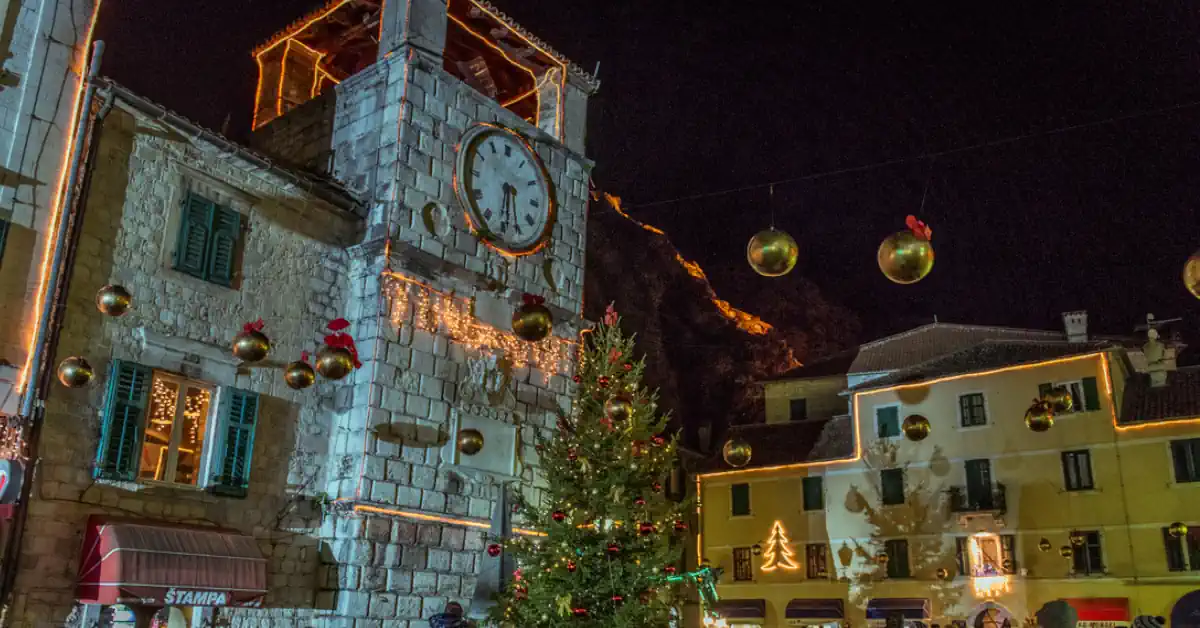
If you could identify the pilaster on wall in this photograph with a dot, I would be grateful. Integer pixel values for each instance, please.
(420, 24)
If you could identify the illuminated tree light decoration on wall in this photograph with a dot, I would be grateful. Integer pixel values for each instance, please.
(988, 581)
(413, 302)
(778, 555)
(12, 438)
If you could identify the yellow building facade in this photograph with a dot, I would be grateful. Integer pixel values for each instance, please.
(972, 523)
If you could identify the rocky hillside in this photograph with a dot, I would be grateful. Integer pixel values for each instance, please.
(702, 353)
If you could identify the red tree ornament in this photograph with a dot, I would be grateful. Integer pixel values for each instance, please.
(558, 516)
(493, 550)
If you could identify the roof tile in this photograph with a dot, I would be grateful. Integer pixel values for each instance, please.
(1178, 400)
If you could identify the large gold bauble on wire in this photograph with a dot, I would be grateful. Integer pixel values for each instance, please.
(113, 300)
(251, 346)
(532, 322)
(1066, 551)
(1044, 545)
(1191, 274)
(618, 408)
(1059, 400)
(736, 452)
(916, 427)
(334, 362)
(470, 441)
(1177, 530)
(943, 573)
(299, 375)
(905, 257)
(75, 372)
(1077, 539)
(1039, 417)
(772, 253)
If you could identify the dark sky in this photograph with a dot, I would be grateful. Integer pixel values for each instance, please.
(708, 95)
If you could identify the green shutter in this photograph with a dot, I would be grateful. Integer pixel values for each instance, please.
(118, 455)
(893, 486)
(3, 238)
(1091, 394)
(739, 495)
(227, 228)
(1044, 389)
(1008, 553)
(813, 493)
(239, 415)
(889, 421)
(960, 555)
(195, 227)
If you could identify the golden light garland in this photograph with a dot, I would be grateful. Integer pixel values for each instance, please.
(12, 438)
(163, 400)
(416, 303)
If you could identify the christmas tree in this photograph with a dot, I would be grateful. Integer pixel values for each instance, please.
(778, 554)
(612, 536)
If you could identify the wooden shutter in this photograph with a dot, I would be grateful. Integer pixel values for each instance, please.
(227, 230)
(1008, 553)
(1091, 394)
(195, 227)
(740, 499)
(893, 486)
(813, 493)
(128, 395)
(960, 554)
(239, 415)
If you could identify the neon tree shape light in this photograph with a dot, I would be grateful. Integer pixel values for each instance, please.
(778, 555)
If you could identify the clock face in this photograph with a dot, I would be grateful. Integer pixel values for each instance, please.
(505, 189)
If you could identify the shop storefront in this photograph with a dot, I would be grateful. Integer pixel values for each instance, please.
(815, 613)
(147, 566)
(898, 611)
(742, 613)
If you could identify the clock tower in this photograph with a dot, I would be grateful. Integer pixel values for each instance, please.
(464, 135)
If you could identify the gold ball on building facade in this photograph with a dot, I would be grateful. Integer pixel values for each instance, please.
(1177, 530)
(943, 573)
(618, 408)
(905, 257)
(251, 346)
(299, 375)
(470, 441)
(772, 253)
(1039, 417)
(532, 322)
(113, 300)
(1191, 274)
(1044, 545)
(1060, 400)
(1066, 551)
(1077, 539)
(334, 362)
(75, 372)
(916, 427)
(736, 452)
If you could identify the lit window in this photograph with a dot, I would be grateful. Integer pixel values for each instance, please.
(173, 444)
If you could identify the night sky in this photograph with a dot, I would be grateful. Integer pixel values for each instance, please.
(704, 96)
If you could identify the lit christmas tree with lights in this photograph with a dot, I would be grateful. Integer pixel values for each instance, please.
(612, 536)
(778, 555)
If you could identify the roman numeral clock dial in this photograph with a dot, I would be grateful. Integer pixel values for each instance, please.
(505, 189)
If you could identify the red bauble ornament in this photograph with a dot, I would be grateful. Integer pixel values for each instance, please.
(571, 455)
(657, 487)
(641, 501)
(493, 550)
(669, 569)
(628, 366)
(618, 600)
(659, 441)
(613, 548)
(603, 381)
(571, 566)
(580, 612)
(559, 516)
(680, 526)
(576, 379)
(646, 528)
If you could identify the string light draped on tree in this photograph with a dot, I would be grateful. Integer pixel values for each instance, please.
(611, 539)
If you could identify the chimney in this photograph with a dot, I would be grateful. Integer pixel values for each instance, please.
(1075, 324)
(1160, 356)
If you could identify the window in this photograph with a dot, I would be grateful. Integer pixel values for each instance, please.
(1183, 554)
(1077, 470)
(887, 421)
(739, 497)
(814, 492)
(1088, 558)
(742, 568)
(814, 556)
(892, 484)
(209, 235)
(970, 410)
(986, 555)
(156, 429)
(1085, 394)
(1186, 456)
(897, 564)
(799, 409)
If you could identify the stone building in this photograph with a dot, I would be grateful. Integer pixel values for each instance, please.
(426, 174)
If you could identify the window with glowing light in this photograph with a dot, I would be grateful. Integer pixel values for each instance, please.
(173, 444)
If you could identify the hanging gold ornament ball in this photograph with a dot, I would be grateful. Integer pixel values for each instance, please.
(1177, 530)
(905, 257)
(532, 322)
(75, 372)
(943, 573)
(251, 346)
(113, 300)
(618, 408)
(1059, 400)
(1039, 417)
(772, 253)
(1066, 551)
(299, 375)
(736, 452)
(1077, 539)
(916, 427)
(334, 362)
(882, 558)
(470, 441)
(1044, 545)
(1191, 274)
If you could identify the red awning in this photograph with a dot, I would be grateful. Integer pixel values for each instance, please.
(1101, 608)
(127, 561)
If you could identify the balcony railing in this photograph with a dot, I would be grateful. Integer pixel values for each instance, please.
(991, 499)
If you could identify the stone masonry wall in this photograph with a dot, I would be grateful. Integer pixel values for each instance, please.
(301, 137)
(292, 276)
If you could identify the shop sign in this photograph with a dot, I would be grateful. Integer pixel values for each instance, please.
(185, 597)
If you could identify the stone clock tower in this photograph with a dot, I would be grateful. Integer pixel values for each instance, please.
(464, 135)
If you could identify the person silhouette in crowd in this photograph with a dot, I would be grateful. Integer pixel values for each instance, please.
(451, 617)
